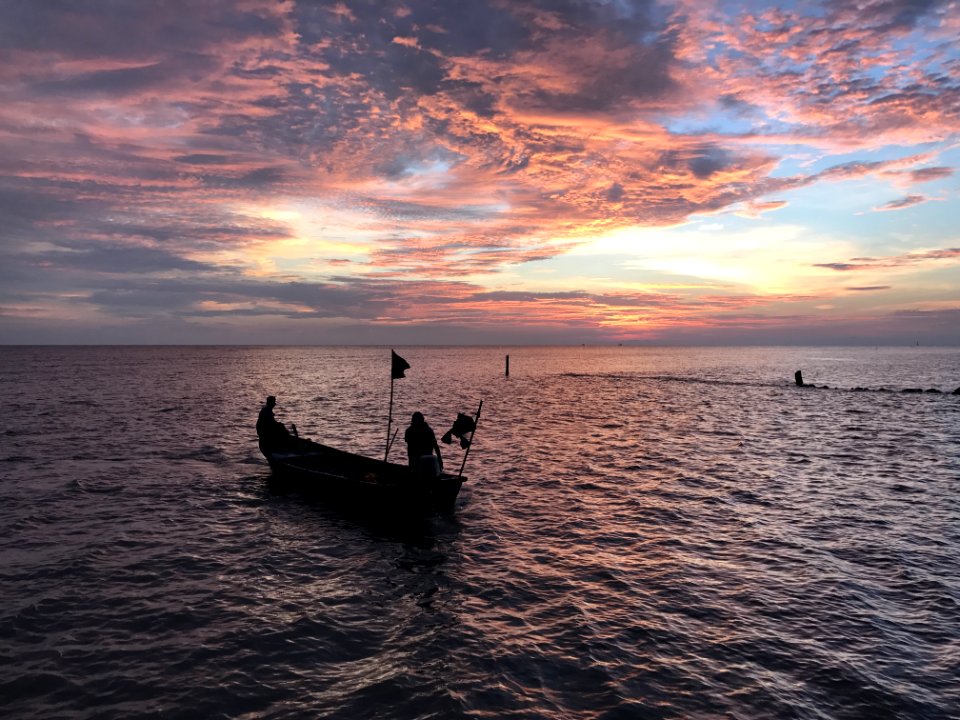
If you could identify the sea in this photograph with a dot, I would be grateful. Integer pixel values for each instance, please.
(645, 532)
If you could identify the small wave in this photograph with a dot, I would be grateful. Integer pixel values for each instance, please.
(206, 453)
(749, 497)
(903, 488)
(96, 485)
(16, 459)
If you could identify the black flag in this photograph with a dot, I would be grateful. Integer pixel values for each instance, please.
(397, 366)
(462, 425)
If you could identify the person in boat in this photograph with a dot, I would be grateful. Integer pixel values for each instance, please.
(272, 432)
(421, 446)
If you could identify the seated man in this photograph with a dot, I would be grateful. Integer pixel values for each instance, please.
(421, 446)
(272, 433)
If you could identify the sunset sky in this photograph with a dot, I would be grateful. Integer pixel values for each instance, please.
(562, 171)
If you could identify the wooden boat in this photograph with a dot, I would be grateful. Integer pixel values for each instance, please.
(369, 484)
(375, 485)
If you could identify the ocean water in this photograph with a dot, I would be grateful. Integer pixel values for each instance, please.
(645, 533)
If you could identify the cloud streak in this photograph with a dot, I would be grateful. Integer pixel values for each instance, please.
(948, 255)
(902, 203)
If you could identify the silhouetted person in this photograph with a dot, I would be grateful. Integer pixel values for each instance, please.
(272, 433)
(266, 420)
(421, 446)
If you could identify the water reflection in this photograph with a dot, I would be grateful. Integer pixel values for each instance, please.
(374, 596)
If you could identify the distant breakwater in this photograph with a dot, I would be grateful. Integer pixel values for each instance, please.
(798, 380)
(744, 383)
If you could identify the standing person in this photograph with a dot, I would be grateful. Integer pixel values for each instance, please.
(422, 444)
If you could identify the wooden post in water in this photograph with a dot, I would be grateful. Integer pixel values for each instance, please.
(507, 373)
(798, 377)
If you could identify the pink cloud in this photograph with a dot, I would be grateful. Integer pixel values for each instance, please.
(920, 175)
(754, 209)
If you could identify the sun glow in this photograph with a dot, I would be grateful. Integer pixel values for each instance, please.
(769, 259)
(311, 241)
(285, 216)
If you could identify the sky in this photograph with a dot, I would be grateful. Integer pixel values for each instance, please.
(492, 172)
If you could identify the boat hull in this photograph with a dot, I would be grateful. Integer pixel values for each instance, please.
(335, 475)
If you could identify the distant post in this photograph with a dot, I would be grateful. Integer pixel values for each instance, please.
(507, 371)
(798, 377)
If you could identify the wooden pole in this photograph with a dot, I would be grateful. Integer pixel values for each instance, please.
(392, 439)
(508, 366)
(470, 445)
(389, 419)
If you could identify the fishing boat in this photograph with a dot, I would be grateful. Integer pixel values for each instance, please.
(378, 485)
(370, 484)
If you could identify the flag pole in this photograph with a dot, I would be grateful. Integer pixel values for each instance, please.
(386, 452)
(397, 367)
(470, 445)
